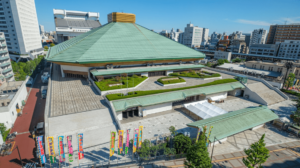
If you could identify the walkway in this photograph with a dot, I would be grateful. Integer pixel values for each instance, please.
(33, 113)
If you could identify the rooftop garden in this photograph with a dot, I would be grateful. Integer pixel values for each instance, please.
(119, 82)
(118, 96)
(195, 74)
(170, 80)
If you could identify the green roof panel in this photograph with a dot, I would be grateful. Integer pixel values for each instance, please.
(119, 42)
(237, 121)
(143, 69)
(123, 104)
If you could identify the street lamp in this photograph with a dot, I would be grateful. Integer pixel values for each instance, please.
(214, 147)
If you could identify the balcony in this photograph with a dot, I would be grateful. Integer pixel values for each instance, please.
(2, 39)
(3, 51)
(9, 76)
(5, 64)
(2, 45)
(4, 58)
(6, 70)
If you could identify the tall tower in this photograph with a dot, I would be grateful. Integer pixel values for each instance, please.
(21, 28)
(259, 36)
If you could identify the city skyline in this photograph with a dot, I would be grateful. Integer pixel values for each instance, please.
(164, 15)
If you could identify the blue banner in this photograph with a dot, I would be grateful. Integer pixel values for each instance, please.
(41, 148)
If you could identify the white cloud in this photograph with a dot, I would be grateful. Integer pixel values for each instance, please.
(253, 22)
(289, 20)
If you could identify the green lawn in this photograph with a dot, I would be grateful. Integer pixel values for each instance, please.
(117, 96)
(131, 82)
(193, 74)
(166, 82)
(4, 135)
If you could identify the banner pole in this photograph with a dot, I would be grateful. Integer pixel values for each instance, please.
(67, 150)
(109, 150)
(39, 152)
(77, 149)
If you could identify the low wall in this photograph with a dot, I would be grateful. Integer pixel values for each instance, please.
(202, 78)
(170, 84)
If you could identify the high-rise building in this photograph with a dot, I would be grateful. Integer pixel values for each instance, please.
(69, 24)
(20, 26)
(258, 36)
(205, 35)
(280, 33)
(192, 36)
(290, 49)
(175, 35)
(6, 71)
(42, 29)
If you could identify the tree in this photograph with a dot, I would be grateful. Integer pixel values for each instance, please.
(296, 116)
(197, 155)
(257, 154)
(182, 143)
(288, 65)
(220, 61)
(46, 47)
(290, 81)
(2, 128)
(172, 130)
(52, 45)
(144, 151)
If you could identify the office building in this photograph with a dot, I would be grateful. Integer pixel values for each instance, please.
(258, 36)
(222, 55)
(20, 25)
(280, 33)
(264, 49)
(205, 35)
(247, 38)
(290, 49)
(223, 44)
(7, 73)
(238, 46)
(69, 24)
(192, 36)
(175, 35)
(42, 29)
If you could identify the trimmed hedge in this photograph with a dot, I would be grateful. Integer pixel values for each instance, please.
(166, 82)
(118, 96)
(291, 92)
(131, 82)
(195, 75)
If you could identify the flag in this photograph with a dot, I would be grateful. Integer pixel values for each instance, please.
(80, 148)
(112, 143)
(41, 148)
(70, 147)
(127, 142)
(135, 139)
(51, 149)
(61, 148)
(199, 130)
(120, 142)
(140, 136)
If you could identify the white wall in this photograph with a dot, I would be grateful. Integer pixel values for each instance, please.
(144, 74)
(8, 114)
(157, 108)
(120, 116)
(217, 96)
(74, 68)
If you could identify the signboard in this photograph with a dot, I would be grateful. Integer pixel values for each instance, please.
(112, 143)
(80, 144)
(41, 149)
(120, 142)
(127, 142)
(61, 148)
(70, 147)
(51, 149)
(135, 139)
(140, 136)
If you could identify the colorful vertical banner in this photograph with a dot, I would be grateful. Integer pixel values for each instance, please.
(112, 143)
(80, 148)
(51, 149)
(120, 142)
(70, 147)
(127, 142)
(208, 135)
(199, 130)
(140, 136)
(135, 139)
(61, 148)
(41, 149)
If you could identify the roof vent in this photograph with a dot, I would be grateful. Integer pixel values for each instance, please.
(121, 17)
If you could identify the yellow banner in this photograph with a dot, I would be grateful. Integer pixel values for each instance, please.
(51, 149)
(140, 136)
(120, 144)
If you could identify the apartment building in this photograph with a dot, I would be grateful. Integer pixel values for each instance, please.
(20, 25)
(5, 64)
(205, 35)
(280, 33)
(258, 36)
(192, 36)
(290, 49)
(222, 55)
(69, 24)
(176, 35)
(223, 44)
(42, 29)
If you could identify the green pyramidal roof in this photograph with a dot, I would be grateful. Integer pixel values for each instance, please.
(119, 42)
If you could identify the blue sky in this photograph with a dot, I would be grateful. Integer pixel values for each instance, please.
(220, 16)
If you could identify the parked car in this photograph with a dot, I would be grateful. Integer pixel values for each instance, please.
(30, 81)
(45, 77)
(44, 92)
(39, 129)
